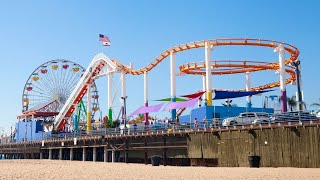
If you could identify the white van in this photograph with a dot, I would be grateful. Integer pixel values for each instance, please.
(247, 118)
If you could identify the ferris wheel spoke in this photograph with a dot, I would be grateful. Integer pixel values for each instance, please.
(67, 73)
(59, 81)
(45, 86)
(48, 82)
(36, 95)
(42, 90)
(37, 92)
(61, 77)
(53, 79)
(73, 78)
(68, 88)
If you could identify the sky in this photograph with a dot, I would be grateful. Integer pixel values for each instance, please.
(34, 32)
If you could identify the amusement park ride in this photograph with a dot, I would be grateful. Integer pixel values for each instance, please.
(60, 91)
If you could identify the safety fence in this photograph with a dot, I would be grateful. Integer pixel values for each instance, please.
(269, 121)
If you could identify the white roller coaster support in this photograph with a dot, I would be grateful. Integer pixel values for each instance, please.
(173, 83)
(98, 61)
(208, 73)
(146, 119)
(123, 82)
(89, 109)
(110, 96)
(248, 86)
(204, 88)
(280, 50)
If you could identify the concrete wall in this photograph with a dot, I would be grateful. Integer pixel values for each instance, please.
(282, 147)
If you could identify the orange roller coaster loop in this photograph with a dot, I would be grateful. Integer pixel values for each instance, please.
(293, 51)
(222, 67)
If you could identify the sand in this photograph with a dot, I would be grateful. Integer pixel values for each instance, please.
(55, 169)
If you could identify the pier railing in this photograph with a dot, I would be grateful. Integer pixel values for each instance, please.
(216, 124)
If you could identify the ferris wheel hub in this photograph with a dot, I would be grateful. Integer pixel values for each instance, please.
(61, 98)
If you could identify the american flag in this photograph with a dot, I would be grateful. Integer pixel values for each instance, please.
(104, 39)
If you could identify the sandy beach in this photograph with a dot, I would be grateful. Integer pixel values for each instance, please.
(46, 169)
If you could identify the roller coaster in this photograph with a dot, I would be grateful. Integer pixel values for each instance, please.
(101, 65)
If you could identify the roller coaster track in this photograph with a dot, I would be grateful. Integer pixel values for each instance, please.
(223, 67)
(101, 61)
(293, 51)
(81, 88)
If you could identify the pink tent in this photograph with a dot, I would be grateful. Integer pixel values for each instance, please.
(179, 105)
(149, 109)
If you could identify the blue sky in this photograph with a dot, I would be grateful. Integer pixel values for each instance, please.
(33, 32)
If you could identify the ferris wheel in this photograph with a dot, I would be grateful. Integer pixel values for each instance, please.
(52, 83)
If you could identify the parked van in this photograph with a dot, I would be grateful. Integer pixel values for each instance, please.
(247, 118)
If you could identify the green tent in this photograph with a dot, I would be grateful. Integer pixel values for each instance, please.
(169, 99)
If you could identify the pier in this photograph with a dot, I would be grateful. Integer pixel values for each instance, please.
(278, 145)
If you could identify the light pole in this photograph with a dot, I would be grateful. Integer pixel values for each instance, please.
(296, 65)
(11, 135)
(124, 112)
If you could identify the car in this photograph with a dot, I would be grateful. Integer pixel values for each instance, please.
(247, 118)
(293, 116)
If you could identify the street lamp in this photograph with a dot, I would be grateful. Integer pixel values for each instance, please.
(11, 135)
(124, 112)
(296, 65)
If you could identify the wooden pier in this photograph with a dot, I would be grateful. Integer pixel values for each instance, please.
(286, 145)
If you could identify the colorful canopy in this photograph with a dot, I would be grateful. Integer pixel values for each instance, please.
(235, 94)
(178, 105)
(144, 109)
(194, 95)
(169, 99)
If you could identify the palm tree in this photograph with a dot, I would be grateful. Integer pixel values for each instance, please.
(229, 103)
(316, 104)
(292, 102)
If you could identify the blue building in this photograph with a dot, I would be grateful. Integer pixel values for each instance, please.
(219, 112)
(30, 131)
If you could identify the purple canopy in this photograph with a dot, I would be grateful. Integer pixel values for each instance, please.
(179, 105)
(144, 109)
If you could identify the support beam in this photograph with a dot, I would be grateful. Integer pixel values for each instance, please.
(248, 86)
(208, 73)
(94, 154)
(204, 88)
(41, 155)
(71, 154)
(299, 95)
(123, 95)
(76, 119)
(113, 156)
(173, 84)
(110, 97)
(89, 109)
(146, 119)
(124, 98)
(60, 153)
(50, 154)
(84, 154)
(164, 152)
(283, 91)
(126, 153)
(145, 154)
(105, 154)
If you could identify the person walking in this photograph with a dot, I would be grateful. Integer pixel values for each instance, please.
(196, 122)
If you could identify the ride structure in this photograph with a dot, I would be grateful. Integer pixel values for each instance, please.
(46, 91)
(101, 65)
